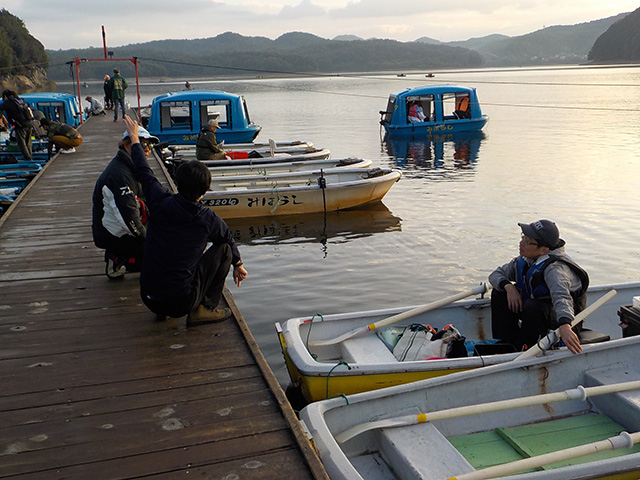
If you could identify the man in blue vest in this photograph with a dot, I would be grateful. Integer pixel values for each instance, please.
(540, 290)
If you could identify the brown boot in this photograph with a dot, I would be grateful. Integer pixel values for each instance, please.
(204, 314)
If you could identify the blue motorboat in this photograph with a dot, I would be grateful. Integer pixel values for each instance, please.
(58, 107)
(178, 117)
(433, 110)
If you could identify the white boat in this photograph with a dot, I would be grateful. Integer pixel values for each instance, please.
(533, 418)
(314, 191)
(283, 167)
(254, 152)
(367, 361)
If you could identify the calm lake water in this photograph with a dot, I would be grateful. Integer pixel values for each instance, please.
(562, 144)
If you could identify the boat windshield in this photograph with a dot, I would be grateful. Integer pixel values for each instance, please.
(215, 110)
(420, 107)
(456, 106)
(175, 116)
(385, 116)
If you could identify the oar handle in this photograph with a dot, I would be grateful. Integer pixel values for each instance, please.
(579, 393)
(480, 289)
(554, 335)
(624, 440)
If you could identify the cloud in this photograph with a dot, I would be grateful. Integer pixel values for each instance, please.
(304, 9)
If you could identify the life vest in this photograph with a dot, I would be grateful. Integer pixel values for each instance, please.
(462, 104)
(532, 285)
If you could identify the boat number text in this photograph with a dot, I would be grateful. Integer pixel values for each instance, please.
(221, 202)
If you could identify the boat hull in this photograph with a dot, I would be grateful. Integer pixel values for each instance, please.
(284, 167)
(445, 448)
(281, 195)
(317, 372)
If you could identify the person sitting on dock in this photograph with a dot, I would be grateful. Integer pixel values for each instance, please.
(95, 107)
(119, 211)
(180, 276)
(64, 137)
(540, 290)
(207, 146)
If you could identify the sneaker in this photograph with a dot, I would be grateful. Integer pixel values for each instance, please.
(115, 268)
(204, 314)
(69, 150)
(115, 120)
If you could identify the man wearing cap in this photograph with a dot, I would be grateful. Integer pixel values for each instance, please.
(540, 290)
(207, 146)
(119, 211)
(118, 85)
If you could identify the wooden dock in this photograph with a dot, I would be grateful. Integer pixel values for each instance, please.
(93, 387)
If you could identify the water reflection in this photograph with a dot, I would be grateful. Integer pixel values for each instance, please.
(441, 155)
(340, 227)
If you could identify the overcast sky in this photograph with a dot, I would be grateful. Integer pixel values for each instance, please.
(77, 23)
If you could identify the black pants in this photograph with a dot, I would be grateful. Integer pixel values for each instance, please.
(206, 289)
(537, 318)
(128, 249)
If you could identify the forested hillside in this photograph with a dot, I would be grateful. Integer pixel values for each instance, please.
(559, 44)
(620, 43)
(23, 59)
(233, 54)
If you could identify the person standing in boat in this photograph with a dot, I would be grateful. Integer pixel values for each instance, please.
(180, 275)
(207, 146)
(118, 85)
(119, 211)
(540, 290)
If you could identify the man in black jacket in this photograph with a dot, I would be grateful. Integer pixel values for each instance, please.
(23, 126)
(119, 211)
(180, 275)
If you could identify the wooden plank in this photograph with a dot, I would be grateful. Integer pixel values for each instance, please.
(93, 386)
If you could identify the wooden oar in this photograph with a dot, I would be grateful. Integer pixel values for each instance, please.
(400, 317)
(578, 393)
(624, 440)
(553, 336)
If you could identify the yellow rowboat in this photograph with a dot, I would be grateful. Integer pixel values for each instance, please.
(366, 362)
(315, 191)
(559, 416)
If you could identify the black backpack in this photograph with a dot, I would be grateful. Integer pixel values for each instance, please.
(25, 115)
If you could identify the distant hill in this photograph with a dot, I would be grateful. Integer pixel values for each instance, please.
(298, 52)
(347, 38)
(294, 52)
(430, 40)
(560, 44)
(620, 43)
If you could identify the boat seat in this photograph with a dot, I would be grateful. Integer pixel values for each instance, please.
(591, 336)
(366, 349)
(404, 450)
(622, 407)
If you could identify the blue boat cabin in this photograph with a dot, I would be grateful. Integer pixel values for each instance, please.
(178, 117)
(58, 107)
(433, 109)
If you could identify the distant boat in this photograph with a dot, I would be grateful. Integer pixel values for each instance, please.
(429, 75)
(445, 109)
(401, 75)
